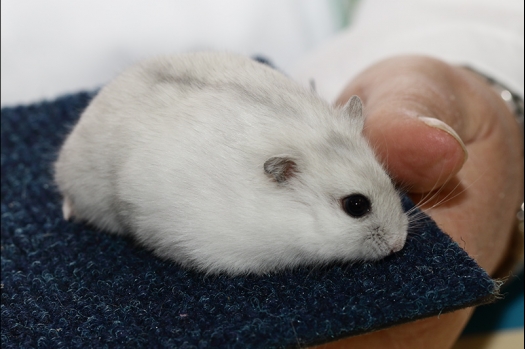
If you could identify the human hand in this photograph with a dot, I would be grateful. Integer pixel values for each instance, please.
(472, 198)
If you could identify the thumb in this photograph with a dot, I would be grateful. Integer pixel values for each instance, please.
(420, 152)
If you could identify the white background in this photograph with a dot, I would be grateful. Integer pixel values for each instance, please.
(54, 47)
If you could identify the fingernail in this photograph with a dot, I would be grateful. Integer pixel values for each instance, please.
(436, 123)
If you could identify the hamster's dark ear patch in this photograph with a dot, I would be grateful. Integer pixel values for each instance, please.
(354, 109)
(280, 168)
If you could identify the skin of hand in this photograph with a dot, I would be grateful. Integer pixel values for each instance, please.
(446, 137)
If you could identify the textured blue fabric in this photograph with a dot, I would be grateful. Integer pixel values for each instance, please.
(507, 314)
(65, 285)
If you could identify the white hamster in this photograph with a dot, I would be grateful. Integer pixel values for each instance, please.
(223, 164)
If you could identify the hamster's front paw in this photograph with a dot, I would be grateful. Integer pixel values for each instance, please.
(67, 209)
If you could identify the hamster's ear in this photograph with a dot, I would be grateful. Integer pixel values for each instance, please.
(280, 168)
(354, 109)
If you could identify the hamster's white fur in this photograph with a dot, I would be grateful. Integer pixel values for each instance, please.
(224, 164)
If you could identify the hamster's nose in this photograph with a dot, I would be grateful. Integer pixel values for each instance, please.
(397, 246)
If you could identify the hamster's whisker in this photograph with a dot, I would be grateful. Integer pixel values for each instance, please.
(431, 194)
(447, 199)
(426, 197)
(444, 200)
(417, 218)
(404, 187)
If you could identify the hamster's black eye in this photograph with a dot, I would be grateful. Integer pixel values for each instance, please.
(356, 205)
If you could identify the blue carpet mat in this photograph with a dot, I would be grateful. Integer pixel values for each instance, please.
(65, 285)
